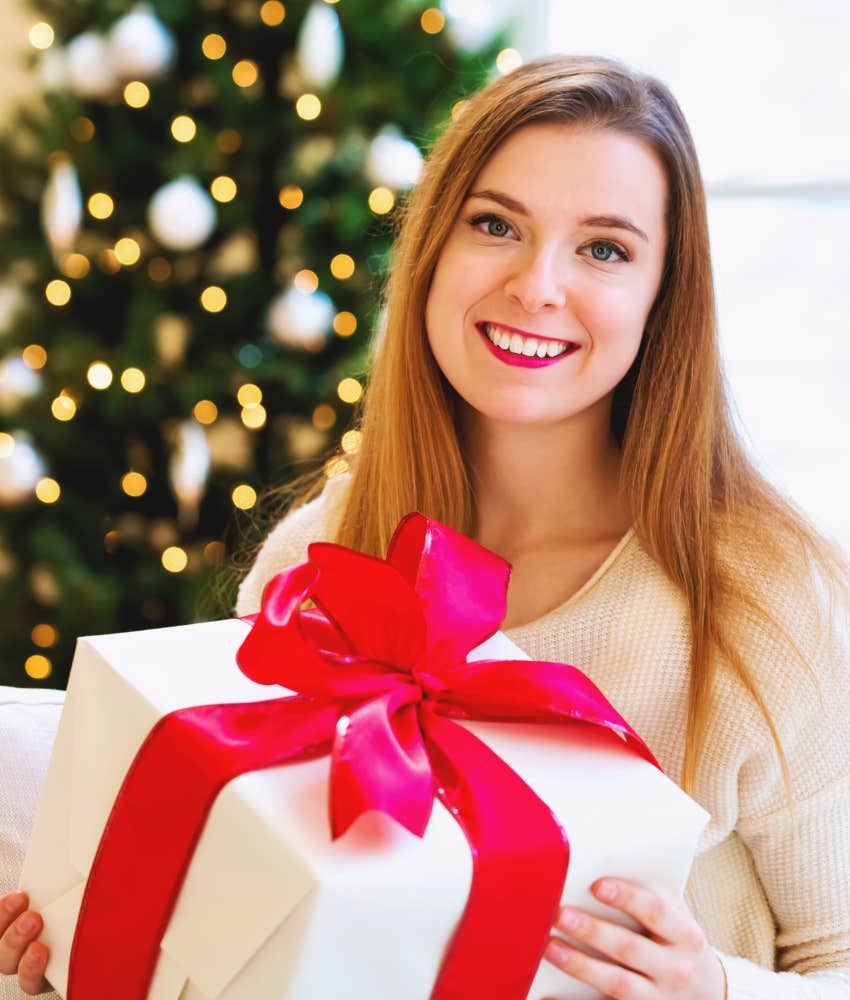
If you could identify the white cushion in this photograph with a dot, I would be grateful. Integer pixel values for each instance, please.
(28, 721)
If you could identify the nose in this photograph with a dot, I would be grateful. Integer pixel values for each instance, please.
(537, 281)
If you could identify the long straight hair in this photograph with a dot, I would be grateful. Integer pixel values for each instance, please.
(699, 506)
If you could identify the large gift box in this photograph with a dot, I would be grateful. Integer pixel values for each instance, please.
(400, 818)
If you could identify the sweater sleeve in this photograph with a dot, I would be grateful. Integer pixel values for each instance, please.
(287, 542)
(802, 859)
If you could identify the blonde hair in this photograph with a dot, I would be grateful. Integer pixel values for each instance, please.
(688, 481)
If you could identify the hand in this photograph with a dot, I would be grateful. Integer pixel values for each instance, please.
(19, 950)
(671, 960)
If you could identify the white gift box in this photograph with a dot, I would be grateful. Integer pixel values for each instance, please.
(272, 908)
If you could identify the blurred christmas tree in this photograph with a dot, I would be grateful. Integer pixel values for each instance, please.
(194, 232)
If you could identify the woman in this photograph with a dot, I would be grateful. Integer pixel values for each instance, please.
(548, 383)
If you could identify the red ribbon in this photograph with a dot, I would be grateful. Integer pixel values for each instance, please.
(380, 667)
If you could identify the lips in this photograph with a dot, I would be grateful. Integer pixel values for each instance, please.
(482, 326)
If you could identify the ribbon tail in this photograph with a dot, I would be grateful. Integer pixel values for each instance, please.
(520, 856)
(157, 820)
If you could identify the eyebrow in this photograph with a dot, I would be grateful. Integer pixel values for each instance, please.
(606, 221)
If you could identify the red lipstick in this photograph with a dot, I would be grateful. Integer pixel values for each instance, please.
(521, 360)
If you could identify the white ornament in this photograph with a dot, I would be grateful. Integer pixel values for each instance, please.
(90, 70)
(320, 46)
(53, 69)
(140, 46)
(20, 470)
(189, 467)
(469, 23)
(392, 160)
(181, 214)
(18, 382)
(62, 208)
(301, 319)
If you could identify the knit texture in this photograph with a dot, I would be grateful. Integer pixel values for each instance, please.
(769, 891)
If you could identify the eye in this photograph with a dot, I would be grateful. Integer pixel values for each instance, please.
(492, 220)
(608, 245)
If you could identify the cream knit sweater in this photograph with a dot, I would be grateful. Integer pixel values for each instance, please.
(771, 894)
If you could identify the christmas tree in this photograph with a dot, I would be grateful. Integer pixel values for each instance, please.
(195, 232)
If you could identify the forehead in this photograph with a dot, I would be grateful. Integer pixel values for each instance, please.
(565, 171)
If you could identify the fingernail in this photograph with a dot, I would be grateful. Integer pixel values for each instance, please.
(27, 924)
(607, 890)
(569, 919)
(557, 952)
(13, 901)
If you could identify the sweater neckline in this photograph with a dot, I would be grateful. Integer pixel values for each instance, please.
(601, 570)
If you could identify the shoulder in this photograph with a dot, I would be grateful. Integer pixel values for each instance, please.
(288, 540)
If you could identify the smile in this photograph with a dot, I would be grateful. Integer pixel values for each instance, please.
(526, 351)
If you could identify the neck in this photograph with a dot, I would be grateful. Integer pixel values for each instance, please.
(544, 485)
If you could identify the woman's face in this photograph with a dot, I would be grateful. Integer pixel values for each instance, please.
(526, 263)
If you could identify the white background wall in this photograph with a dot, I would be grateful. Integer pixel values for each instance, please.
(765, 87)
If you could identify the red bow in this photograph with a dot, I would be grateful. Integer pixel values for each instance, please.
(380, 669)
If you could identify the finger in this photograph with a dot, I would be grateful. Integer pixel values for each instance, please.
(659, 915)
(611, 980)
(627, 948)
(14, 942)
(12, 905)
(31, 970)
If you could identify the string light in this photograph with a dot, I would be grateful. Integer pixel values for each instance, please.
(432, 20)
(7, 444)
(82, 129)
(75, 265)
(245, 73)
(183, 128)
(35, 356)
(99, 375)
(213, 298)
(349, 390)
(44, 636)
(223, 188)
(381, 200)
(244, 496)
(508, 60)
(132, 380)
(351, 442)
(136, 94)
(308, 107)
(110, 541)
(324, 417)
(127, 250)
(47, 490)
(174, 559)
(249, 395)
(38, 667)
(205, 411)
(342, 266)
(108, 262)
(306, 280)
(159, 269)
(291, 196)
(58, 292)
(63, 407)
(41, 35)
(213, 46)
(228, 140)
(133, 484)
(272, 13)
(253, 417)
(345, 323)
(101, 205)
(335, 466)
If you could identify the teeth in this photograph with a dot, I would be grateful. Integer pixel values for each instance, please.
(529, 347)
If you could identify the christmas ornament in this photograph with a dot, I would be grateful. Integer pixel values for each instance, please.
(18, 382)
(20, 470)
(320, 47)
(181, 214)
(53, 69)
(237, 255)
(89, 66)
(61, 207)
(188, 470)
(301, 319)
(140, 46)
(469, 23)
(392, 160)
